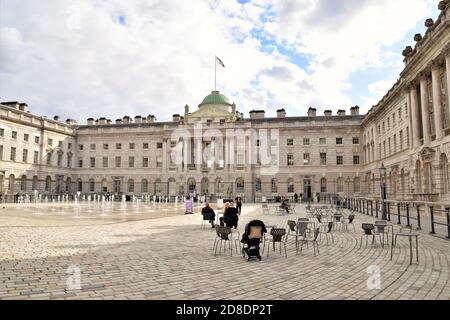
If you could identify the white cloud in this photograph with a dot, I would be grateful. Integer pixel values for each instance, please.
(162, 57)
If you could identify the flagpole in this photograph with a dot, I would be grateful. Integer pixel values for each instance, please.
(215, 74)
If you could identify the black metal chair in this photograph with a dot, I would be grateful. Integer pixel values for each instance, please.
(312, 240)
(278, 235)
(327, 232)
(368, 229)
(224, 234)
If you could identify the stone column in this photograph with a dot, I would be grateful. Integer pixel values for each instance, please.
(415, 116)
(425, 112)
(447, 64)
(437, 104)
(199, 155)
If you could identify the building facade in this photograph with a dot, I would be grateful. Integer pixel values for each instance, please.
(216, 151)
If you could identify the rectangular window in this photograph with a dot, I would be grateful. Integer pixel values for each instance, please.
(92, 162)
(384, 148)
(60, 144)
(290, 142)
(145, 162)
(389, 146)
(131, 162)
(36, 139)
(393, 119)
(145, 145)
(356, 159)
(80, 147)
(49, 159)
(118, 162)
(2, 132)
(26, 137)
(290, 160)
(93, 146)
(323, 159)
(1, 152)
(173, 144)
(13, 154)
(131, 145)
(159, 145)
(36, 157)
(395, 143)
(59, 160)
(25, 155)
(69, 161)
(339, 141)
(69, 145)
(50, 142)
(323, 141)
(14, 134)
(159, 161)
(306, 159)
(339, 159)
(105, 146)
(80, 163)
(355, 140)
(118, 146)
(401, 140)
(306, 141)
(105, 162)
(258, 143)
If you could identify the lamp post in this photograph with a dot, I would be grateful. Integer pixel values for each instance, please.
(348, 188)
(383, 191)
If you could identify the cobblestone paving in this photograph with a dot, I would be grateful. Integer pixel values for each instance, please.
(171, 257)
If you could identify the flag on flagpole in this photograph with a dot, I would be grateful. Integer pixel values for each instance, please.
(220, 62)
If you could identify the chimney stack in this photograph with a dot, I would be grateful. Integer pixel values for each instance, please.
(312, 112)
(90, 121)
(281, 113)
(257, 114)
(354, 111)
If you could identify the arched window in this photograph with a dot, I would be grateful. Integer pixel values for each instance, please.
(274, 186)
(219, 186)
(104, 185)
(79, 185)
(191, 185)
(240, 185)
(144, 185)
(357, 185)
(258, 185)
(130, 185)
(444, 174)
(323, 185)
(158, 186)
(340, 185)
(91, 185)
(23, 183)
(290, 185)
(205, 186)
(48, 184)
(12, 180)
(34, 184)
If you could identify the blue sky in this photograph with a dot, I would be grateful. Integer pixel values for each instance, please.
(97, 58)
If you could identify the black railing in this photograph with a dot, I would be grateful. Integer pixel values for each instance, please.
(428, 216)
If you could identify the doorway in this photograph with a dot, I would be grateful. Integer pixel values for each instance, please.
(307, 189)
(116, 186)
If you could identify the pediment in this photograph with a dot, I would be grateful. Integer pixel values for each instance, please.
(210, 112)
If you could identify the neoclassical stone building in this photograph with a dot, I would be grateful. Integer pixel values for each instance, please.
(215, 150)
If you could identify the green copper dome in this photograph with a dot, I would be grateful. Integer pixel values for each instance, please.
(215, 98)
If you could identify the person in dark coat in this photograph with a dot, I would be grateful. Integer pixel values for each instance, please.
(239, 204)
(231, 217)
(209, 214)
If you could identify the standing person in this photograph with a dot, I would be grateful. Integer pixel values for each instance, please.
(189, 206)
(296, 198)
(209, 214)
(239, 204)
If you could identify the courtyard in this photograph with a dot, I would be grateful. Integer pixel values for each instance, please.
(155, 251)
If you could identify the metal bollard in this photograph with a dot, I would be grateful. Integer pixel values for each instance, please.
(398, 213)
(432, 220)
(376, 209)
(447, 211)
(419, 225)
(389, 211)
(407, 215)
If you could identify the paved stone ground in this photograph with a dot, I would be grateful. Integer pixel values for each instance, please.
(158, 254)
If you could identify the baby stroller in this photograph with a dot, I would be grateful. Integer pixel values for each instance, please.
(252, 238)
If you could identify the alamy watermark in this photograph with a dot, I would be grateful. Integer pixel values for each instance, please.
(238, 147)
(374, 280)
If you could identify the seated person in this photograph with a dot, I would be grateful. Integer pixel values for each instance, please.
(285, 205)
(230, 217)
(209, 214)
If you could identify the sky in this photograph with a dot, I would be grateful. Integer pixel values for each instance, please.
(111, 58)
